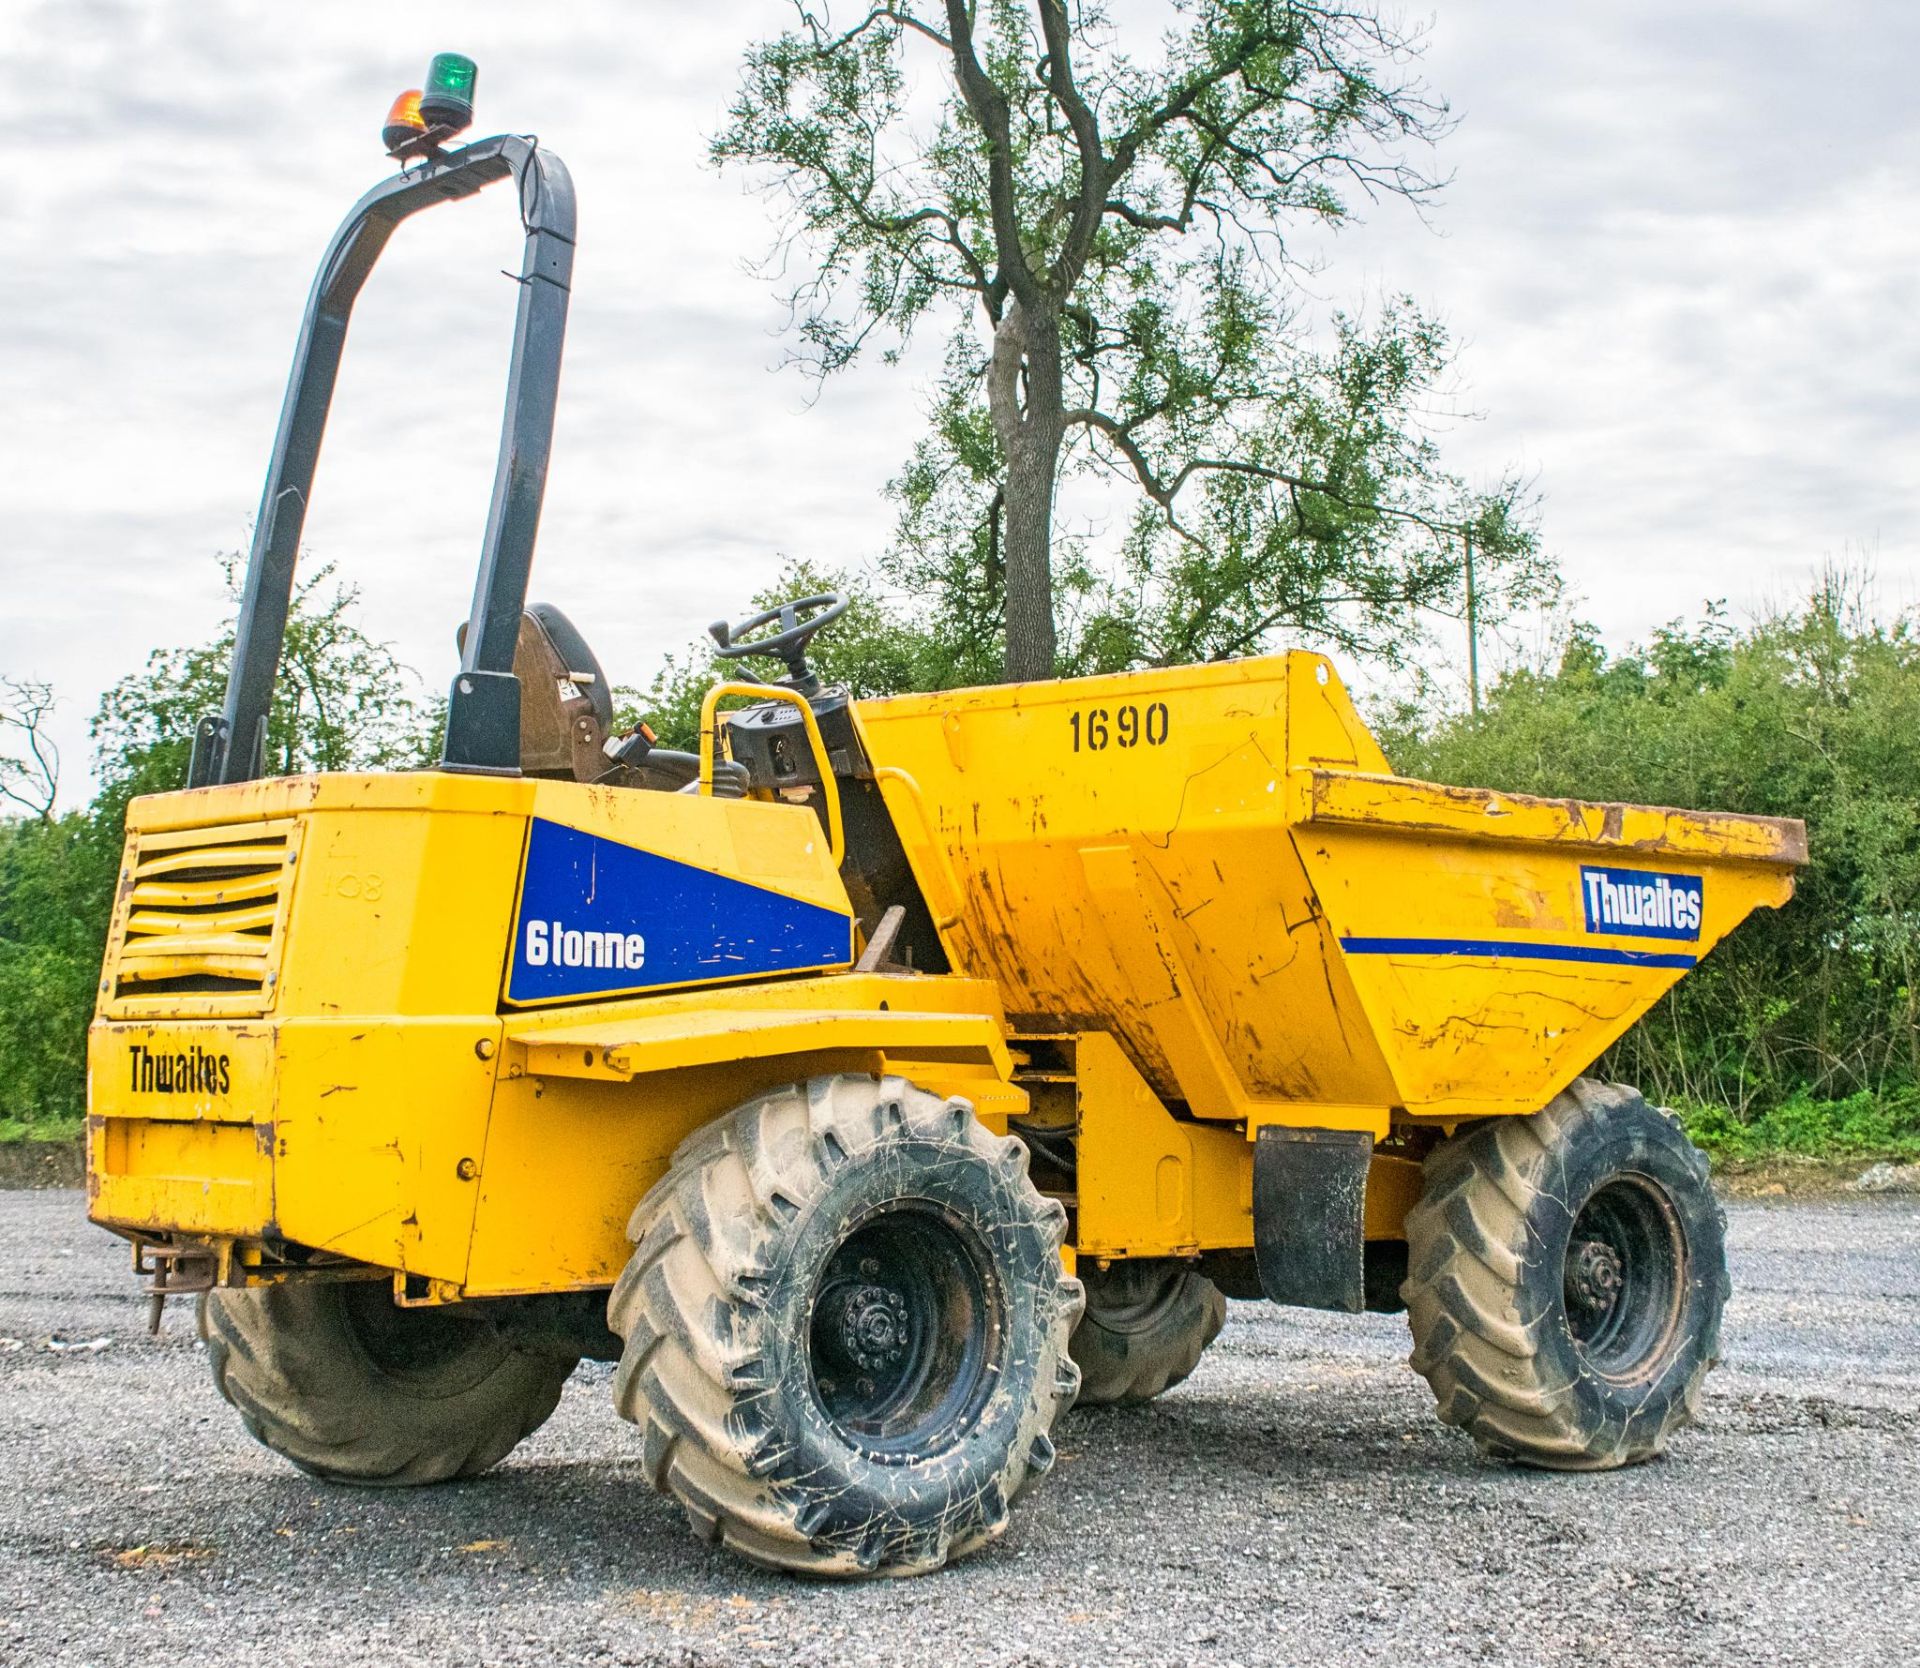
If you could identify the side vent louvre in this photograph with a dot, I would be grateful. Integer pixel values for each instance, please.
(201, 914)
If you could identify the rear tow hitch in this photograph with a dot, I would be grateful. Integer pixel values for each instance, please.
(173, 1271)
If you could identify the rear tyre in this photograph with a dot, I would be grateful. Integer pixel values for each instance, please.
(353, 1389)
(1146, 1325)
(1568, 1272)
(845, 1325)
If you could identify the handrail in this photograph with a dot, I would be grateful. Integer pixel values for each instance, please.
(936, 854)
(710, 739)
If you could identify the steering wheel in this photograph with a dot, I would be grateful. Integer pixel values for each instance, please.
(797, 624)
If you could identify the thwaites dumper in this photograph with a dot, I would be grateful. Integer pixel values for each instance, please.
(893, 1072)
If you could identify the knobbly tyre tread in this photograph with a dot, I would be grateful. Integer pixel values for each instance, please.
(1484, 1315)
(1123, 1364)
(286, 1359)
(693, 1308)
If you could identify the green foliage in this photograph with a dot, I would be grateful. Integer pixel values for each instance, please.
(1810, 713)
(869, 649)
(1357, 565)
(1336, 524)
(56, 892)
(1864, 1125)
(343, 702)
(52, 1131)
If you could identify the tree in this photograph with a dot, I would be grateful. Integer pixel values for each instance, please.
(1119, 233)
(342, 701)
(30, 777)
(56, 882)
(869, 649)
(56, 893)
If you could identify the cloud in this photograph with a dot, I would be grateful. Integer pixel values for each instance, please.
(1678, 252)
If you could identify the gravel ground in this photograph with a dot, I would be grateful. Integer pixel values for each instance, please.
(1294, 1501)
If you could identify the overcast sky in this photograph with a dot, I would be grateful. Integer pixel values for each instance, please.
(1678, 253)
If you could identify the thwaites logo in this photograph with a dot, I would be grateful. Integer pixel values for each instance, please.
(1638, 903)
(192, 1072)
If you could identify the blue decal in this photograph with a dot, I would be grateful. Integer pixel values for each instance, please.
(1514, 950)
(598, 917)
(1637, 903)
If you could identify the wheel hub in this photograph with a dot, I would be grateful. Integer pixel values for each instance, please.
(1595, 1275)
(906, 1331)
(867, 1327)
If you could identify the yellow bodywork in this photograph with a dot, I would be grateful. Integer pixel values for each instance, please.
(1177, 906)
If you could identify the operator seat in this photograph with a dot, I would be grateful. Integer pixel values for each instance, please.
(566, 718)
(566, 706)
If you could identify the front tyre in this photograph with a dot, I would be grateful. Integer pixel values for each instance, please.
(1567, 1276)
(845, 1325)
(353, 1389)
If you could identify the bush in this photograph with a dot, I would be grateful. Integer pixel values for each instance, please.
(56, 892)
(1864, 1125)
(1811, 713)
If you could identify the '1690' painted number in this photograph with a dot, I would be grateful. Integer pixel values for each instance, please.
(1096, 728)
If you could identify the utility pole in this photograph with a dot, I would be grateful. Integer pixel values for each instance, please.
(1473, 630)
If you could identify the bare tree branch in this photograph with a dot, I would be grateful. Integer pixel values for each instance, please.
(826, 45)
(989, 107)
(32, 782)
(1182, 99)
(1057, 76)
(1164, 490)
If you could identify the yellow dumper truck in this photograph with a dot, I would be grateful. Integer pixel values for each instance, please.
(880, 1079)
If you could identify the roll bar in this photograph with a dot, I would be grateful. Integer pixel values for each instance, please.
(483, 707)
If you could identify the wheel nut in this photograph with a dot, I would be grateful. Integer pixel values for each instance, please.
(1595, 1274)
(866, 1328)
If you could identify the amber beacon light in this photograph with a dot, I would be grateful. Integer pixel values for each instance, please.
(404, 121)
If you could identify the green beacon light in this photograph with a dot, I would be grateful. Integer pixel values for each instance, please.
(446, 101)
